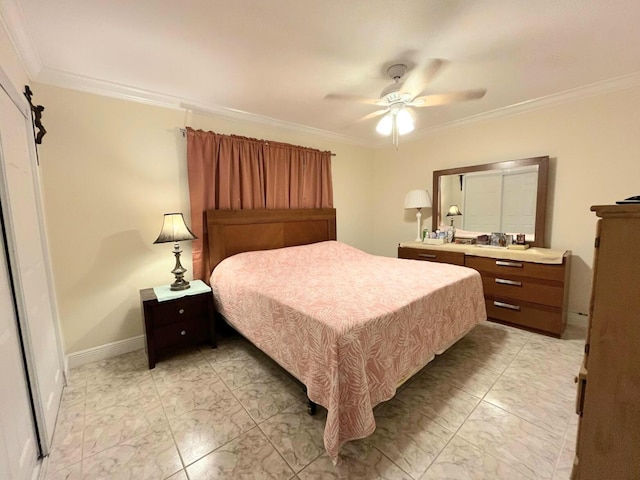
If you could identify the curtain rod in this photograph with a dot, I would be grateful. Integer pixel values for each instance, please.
(184, 132)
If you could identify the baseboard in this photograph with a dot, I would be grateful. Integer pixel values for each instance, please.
(105, 351)
(577, 319)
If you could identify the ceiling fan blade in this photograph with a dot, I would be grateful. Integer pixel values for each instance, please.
(371, 115)
(445, 98)
(423, 75)
(350, 98)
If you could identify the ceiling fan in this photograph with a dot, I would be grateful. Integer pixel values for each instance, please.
(406, 92)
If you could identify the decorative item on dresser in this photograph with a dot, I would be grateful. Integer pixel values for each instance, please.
(177, 319)
(608, 444)
(524, 288)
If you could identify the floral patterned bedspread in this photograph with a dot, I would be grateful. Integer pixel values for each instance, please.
(347, 324)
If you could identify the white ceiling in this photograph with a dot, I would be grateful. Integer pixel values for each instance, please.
(278, 59)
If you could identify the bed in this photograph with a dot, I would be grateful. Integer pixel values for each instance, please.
(348, 325)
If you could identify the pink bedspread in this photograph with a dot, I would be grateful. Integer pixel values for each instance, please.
(347, 324)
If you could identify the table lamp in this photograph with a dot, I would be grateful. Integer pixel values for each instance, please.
(175, 230)
(454, 211)
(418, 199)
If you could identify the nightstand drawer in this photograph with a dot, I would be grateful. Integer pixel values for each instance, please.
(429, 255)
(182, 334)
(173, 311)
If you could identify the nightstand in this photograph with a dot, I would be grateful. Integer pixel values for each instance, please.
(177, 319)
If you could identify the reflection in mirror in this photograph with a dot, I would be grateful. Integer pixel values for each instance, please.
(507, 197)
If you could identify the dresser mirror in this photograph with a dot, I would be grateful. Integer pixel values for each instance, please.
(508, 197)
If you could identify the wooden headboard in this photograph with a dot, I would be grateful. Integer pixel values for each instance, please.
(236, 231)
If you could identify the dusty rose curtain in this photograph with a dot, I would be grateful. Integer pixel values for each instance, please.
(233, 172)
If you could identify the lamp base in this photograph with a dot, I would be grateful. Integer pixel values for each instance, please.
(178, 271)
(180, 284)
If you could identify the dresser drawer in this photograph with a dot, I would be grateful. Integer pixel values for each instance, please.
(172, 311)
(537, 317)
(441, 256)
(531, 290)
(189, 332)
(514, 267)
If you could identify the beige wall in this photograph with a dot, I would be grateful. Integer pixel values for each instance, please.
(110, 169)
(593, 145)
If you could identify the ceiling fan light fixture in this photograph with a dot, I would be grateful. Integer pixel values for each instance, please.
(404, 121)
(385, 125)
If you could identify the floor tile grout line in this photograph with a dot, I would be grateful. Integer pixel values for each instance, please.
(295, 473)
(483, 399)
(528, 341)
(265, 435)
(480, 400)
(173, 437)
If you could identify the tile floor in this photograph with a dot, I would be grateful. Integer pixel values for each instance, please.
(497, 405)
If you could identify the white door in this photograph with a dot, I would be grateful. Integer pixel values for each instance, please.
(29, 259)
(18, 441)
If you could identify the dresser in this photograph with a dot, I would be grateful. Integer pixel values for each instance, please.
(523, 288)
(608, 401)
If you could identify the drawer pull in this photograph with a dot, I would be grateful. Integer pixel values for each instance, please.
(183, 333)
(502, 263)
(427, 255)
(506, 305)
(504, 281)
(181, 311)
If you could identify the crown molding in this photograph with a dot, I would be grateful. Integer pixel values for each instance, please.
(13, 21)
(124, 92)
(82, 83)
(599, 88)
(238, 115)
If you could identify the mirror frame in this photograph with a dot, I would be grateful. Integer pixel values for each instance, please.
(541, 202)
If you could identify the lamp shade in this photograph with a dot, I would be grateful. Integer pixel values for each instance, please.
(404, 121)
(385, 125)
(417, 199)
(453, 211)
(174, 229)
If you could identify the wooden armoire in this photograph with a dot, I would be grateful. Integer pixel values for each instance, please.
(608, 402)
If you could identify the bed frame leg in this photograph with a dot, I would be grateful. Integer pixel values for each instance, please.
(312, 408)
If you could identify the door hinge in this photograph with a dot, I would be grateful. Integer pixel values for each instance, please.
(597, 242)
(586, 348)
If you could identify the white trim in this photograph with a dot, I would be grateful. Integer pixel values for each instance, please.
(39, 472)
(108, 350)
(12, 18)
(238, 115)
(82, 83)
(19, 100)
(577, 319)
(599, 88)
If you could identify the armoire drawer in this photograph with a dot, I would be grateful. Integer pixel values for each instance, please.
(501, 267)
(532, 290)
(441, 256)
(537, 317)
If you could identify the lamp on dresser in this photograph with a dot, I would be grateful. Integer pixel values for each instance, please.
(417, 199)
(454, 211)
(175, 230)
